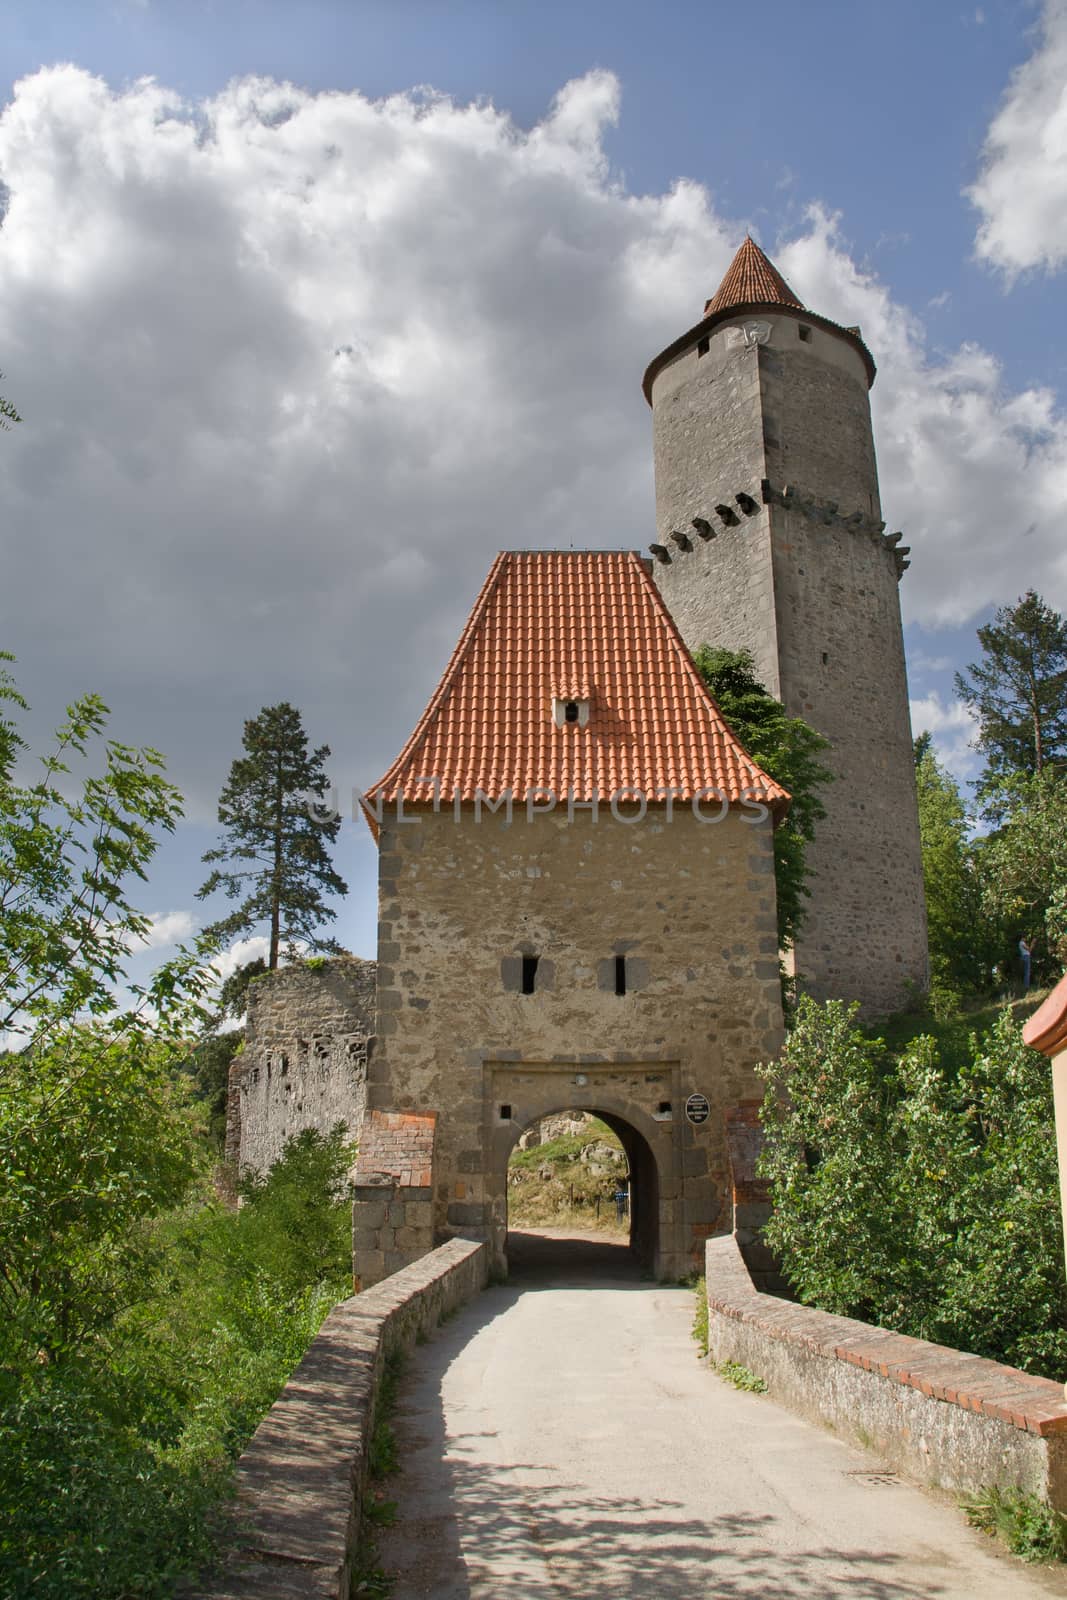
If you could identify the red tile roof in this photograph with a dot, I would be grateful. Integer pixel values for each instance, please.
(752, 279)
(1046, 1030)
(572, 625)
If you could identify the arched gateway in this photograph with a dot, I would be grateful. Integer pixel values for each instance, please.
(577, 910)
(647, 1148)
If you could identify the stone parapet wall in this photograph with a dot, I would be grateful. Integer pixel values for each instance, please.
(304, 1065)
(942, 1416)
(300, 1483)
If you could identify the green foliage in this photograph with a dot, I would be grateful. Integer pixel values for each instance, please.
(788, 750)
(1024, 864)
(8, 414)
(1028, 1526)
(919, 1193)
(208, 1070)
(964, 945)
(113, 1461)
(278, 862)
(700, 1314)
(1018, 690)
(233, 995)
(741, 1378)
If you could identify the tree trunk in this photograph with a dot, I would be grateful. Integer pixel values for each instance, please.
(276, 885)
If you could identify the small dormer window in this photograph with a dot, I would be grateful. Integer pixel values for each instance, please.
(570, 711)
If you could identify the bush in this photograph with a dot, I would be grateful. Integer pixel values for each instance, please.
(918, 1194)
(114, 1458)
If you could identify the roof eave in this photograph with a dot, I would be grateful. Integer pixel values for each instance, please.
(751, 308)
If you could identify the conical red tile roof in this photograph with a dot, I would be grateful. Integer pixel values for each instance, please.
(583, 625)
(752, 279)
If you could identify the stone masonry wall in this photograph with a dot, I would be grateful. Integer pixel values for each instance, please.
(301, 1481)
(691, 908)
(304, 1065)
(943, 1416)
(798, 571)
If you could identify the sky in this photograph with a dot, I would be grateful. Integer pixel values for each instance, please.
(311, 308)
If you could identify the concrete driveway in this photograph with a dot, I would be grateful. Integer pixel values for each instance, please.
(561, 1438)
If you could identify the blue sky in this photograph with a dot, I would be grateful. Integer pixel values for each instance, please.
(463, 302)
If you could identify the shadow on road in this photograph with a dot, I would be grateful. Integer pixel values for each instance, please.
(471, 1528)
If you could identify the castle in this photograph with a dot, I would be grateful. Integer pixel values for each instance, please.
(576, 882)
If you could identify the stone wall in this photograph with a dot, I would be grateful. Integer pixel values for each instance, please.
(941, 1416)
(768, 445)
(304, 1064)
(300, 1482)
(690, 906)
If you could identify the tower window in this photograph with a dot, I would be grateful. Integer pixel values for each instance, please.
(703, 346)
(529, 973)
(805, 333)
(620, 974)
(826, 658)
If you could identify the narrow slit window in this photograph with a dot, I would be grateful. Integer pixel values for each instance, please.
(620, 974)
(529, 973)
(703, 346)
(805, 334)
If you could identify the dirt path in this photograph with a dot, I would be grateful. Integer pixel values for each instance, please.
(560, 1438)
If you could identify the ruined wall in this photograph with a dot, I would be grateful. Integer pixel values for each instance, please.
(690, 907)
(304, 1064)
(767, 438)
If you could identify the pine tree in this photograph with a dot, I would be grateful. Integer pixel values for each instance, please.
(787, 749)
(1018, 691)
(276, 851)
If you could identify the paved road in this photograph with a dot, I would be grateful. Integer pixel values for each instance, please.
(560, 1438)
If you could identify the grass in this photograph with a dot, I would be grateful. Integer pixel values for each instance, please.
(700, 1315)
(952, 1034)
(1031, 1529)
(370, 1581)
(741, 1378)
(550, 1185)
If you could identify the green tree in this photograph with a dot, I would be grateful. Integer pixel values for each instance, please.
(915, 1194)
(1017, 692)
(92, 1141)
(964, 945)
(1023, 864)
(788, 749)
(8, 414)
(276, 852)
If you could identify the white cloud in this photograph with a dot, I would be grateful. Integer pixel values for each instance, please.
(240, 953)
(295, 366)
(952, 728)
(1021, 191)
(169, 928)
(975, 473)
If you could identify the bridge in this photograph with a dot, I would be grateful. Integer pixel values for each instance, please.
(558, 1435)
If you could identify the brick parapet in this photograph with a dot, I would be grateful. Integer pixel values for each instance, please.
(300, 1482)
(944, 1416)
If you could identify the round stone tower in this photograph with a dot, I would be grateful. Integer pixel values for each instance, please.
(770, 539)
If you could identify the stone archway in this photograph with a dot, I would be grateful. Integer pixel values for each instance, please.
(638, 1102)
(642, 1177)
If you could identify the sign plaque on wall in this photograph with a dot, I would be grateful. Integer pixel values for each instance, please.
(698, 1108)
